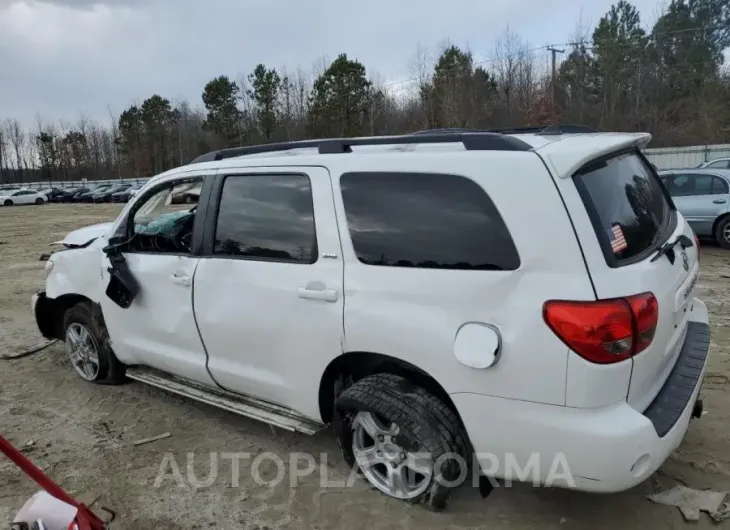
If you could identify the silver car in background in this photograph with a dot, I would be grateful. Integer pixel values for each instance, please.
(716, 163)
(703, 197)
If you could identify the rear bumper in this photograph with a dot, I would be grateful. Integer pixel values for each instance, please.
(607, 449)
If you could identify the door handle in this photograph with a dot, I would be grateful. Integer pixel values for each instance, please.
(185, 281)
(719, 201)
(317, 291)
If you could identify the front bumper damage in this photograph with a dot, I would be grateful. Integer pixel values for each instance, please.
(45, 311)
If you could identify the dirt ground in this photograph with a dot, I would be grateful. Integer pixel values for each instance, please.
(83, 434)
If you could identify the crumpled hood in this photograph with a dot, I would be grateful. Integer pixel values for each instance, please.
(85, 235)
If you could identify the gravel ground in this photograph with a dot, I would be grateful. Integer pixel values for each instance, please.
(83, 435)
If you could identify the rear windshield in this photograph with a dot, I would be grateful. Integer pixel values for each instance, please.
(627, 205)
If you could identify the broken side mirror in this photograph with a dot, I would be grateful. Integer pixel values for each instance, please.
(115, 245)
(123, 287)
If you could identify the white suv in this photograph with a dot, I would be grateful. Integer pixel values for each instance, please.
(519, 297)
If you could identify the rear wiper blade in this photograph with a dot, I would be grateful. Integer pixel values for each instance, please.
(682, 240)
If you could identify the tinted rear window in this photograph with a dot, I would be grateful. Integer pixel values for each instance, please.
(627, 205)
(425, 220)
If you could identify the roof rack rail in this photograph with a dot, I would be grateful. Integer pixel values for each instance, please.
(472, 141)
(450, 130)
(231, 152)
(546, 130)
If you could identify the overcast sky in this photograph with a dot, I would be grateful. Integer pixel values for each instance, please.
(61, 58)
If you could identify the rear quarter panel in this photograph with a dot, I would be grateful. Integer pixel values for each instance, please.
(639, 379)
(414, 314)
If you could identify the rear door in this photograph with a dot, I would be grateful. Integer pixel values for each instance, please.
(630, 216)
(268, 292)
(701, 198)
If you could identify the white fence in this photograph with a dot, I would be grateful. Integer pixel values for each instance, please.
(42, 185)
(685, 157)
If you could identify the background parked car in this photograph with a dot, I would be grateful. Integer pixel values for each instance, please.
(88, 196)
(717, 163)
(703, 197)
(52, 193)
(125, 195)
(105, 195)
(21, 196)
(67, 194)
(186, 197)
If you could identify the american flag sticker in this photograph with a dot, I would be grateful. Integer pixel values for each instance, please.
(617, 239)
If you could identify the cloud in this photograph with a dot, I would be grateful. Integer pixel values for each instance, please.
(61, 58)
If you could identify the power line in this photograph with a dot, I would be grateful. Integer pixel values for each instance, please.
(521, 53)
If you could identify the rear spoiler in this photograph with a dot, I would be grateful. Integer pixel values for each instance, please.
(569, 153)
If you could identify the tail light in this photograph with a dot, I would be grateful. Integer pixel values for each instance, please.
(604, 331)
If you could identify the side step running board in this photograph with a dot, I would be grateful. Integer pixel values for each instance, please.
(247, 406)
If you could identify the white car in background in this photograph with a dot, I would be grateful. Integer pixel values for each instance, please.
(21, 196)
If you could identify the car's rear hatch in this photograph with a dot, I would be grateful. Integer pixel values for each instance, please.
(631, 216)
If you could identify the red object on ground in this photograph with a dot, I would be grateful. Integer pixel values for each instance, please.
(85, 518)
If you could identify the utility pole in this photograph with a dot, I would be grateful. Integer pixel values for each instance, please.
(554, 52)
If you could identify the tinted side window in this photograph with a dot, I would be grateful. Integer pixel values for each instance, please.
(720, 164)
(719, 187)
(694, 184)
(703, 185)
(267, 217)
(425, 220)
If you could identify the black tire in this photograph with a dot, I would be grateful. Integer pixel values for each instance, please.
(8, 202)
(39, 201)
(720, 232)
(111, 371)
(425, 424)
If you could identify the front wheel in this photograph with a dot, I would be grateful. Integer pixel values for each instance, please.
(722, 233)
(39, 201)
(404, 441)
(87, 346)
(8, 202)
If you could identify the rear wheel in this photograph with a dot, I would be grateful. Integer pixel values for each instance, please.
(396, 435)
(722, 232)
(8, 202)
(87, 346)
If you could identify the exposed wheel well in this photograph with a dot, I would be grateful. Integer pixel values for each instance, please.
(353, 366)
(51, 314)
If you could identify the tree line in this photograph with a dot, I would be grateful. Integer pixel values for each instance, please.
(669, 80)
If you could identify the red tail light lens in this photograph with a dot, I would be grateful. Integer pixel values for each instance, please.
(645, 310)
(604, 331)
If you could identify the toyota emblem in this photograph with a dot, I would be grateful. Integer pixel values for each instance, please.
(685, 260)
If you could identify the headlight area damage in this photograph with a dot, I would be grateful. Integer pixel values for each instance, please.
(81, 238)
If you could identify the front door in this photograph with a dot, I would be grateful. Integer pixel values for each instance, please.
(268, 291)
(158, 329)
